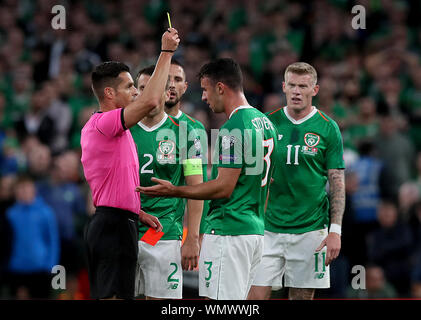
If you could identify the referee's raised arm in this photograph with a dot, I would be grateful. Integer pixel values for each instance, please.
(111, 168)
(152, 93)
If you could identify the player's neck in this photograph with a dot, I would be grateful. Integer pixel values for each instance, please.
(173, 111)
(298, 114)
(151, 121)
(106, 106)
(235, 101)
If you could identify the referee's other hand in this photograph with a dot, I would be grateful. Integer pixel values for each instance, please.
(150, 220)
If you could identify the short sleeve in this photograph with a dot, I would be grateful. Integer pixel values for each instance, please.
(111, 123)
(230, 148)
(335, 151)
(195, 145)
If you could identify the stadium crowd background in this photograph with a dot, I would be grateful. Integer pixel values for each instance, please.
(370, 83)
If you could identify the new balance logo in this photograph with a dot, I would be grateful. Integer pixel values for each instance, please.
(173, 286)
(280, 136)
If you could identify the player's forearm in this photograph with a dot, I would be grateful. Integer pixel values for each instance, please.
(194, 210)
(212, 189)
(337, 195)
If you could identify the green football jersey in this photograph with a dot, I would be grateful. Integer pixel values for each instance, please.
(298, 201)
(246, 141)
(161, 150)
(201, 131)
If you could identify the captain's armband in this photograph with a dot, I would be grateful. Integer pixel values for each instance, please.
(192, 167)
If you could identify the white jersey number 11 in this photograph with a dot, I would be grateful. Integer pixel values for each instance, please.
(297, 148)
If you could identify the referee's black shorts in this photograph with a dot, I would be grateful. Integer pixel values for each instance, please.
(111, 242)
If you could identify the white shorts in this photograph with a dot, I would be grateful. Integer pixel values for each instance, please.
(159, 273)
(227, 265)
(293, 256)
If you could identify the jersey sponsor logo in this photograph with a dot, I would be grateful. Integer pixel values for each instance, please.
(166, 151)
(197, 144)
(227, 142)
(311, 139)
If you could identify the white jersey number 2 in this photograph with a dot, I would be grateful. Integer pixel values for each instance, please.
(144, 167)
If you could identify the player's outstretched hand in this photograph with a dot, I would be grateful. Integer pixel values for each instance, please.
(150, 220)
(170, 40)
(163, 188)
(333, 247)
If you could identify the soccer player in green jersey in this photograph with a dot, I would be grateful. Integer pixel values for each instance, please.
(170, 151)
(241, 168)
(298, 246)
(177, 86)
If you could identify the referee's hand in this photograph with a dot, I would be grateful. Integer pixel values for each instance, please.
(150, 220)
(170, 40)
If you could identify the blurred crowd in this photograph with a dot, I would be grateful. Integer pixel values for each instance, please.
(370, 83)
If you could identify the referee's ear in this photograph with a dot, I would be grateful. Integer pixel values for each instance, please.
(109, 93)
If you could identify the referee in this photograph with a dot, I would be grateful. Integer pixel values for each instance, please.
(111, 168)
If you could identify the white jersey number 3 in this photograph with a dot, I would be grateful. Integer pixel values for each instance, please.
(269, 144)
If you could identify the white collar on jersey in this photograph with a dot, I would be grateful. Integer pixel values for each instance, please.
(238, 108)
(150, 129)
(178, 115)
(312, 113)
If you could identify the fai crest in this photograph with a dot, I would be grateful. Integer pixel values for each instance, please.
(166, 149)
(311, 139)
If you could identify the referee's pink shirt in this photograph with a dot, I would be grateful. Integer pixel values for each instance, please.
(110, 161)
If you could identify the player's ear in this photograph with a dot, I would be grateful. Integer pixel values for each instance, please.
(186, 85)
(315, 90)
(109, 92)
(220, 88)
(283, 86)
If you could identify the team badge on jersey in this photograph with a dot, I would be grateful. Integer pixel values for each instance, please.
(166, 151)
(311, 139)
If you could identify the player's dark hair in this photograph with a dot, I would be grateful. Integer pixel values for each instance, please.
(177, 63)
(106, 75)
(224, 70)
(147, 70)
